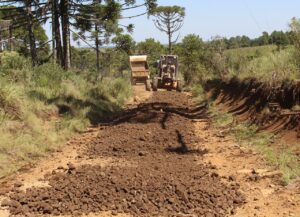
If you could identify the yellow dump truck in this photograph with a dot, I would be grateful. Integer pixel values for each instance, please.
(140, 71)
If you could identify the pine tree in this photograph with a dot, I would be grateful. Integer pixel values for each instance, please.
(169, 19)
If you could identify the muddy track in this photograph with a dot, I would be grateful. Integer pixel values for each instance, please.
(156, 169)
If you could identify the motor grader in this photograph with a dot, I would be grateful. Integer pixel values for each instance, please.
(140, 72)
(167, 74)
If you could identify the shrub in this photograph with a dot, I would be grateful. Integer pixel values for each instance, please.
(48, 75)
(14, 67)
(278, 65)
(30, 124)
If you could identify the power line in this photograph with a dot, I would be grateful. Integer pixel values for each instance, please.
(252, 15)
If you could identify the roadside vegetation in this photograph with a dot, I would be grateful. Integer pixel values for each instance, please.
(276, 152)
(43, 106)
(49, 89)
(271, 58)
(280, 155)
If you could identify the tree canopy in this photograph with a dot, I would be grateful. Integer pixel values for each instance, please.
(95, 20)
(169, 19)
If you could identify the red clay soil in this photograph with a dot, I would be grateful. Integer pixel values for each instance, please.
(162, 175)
(249, 100)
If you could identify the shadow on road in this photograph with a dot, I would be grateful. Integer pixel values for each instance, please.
(183, 148)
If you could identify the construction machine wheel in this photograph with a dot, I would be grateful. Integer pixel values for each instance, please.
(148, 85)
(154, 84)
(179, 86)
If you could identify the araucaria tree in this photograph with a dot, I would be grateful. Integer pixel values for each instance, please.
(169, 19)
(95, 19)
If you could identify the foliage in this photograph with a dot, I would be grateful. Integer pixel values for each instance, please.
(96, 20)
(41, 112)
(124, 43)
(279, 65)
(264, 62)
(20, 32)
(150, 47)
(169, 19)
(153, 49)
(279, 38)
(295, 38)
(191, 52)
(14, 67)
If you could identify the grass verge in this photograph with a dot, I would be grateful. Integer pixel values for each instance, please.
(42, 107)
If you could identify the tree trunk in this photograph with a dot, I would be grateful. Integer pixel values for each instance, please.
(1, 44)
(66, 34)
(97, 41)
(169, 36)
(170, 43)
(97, 49)
(53, 33)
(59, 55)
(11, 45)
(70, 51)
(31, 33)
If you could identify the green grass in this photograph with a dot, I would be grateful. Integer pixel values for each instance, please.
(264, 63)
(220, 120)
(197, 93)
(30, 122)
(252, 51)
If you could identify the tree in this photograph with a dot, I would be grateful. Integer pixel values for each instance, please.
(63, 14)
(124, 43)
(295, 31)
(124, 46)
(264, 39)
(279, 38)
(101, 20)
(153, 49)
(150, 47)
(30, 20)
(217, 58)
(27, 32)
(169, 19)
(232, 43)
(245, 41)
(295, 36)
(191, 55)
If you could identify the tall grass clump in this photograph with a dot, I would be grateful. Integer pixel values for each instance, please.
(279, 65)
(15, 67)
(264, 63)
(42, 107)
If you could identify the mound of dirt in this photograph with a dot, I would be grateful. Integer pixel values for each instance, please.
(163, 174)
(270, 106)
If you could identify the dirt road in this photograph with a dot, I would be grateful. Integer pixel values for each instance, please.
(162, 157)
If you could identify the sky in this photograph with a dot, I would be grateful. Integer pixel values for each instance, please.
(209, 18)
